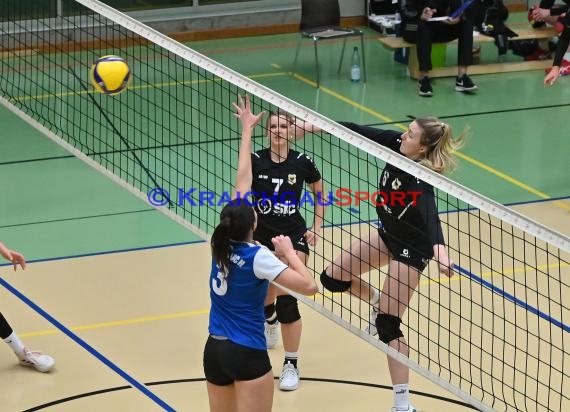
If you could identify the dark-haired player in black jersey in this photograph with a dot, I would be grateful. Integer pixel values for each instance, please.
(279, 177)
(410, 235)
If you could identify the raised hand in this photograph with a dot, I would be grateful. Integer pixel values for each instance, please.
(244, 113)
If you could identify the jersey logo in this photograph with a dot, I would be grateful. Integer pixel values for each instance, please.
(396, 184)
(292, 179)
(264, 206)
(262, 177)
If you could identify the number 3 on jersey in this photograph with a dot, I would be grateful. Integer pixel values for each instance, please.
(222, 288)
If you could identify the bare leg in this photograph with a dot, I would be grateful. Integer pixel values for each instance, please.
(255, 395)
(364, 254)
(222, 398)
(397, 291)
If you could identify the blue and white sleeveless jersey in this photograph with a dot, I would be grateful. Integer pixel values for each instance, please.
(238, 298)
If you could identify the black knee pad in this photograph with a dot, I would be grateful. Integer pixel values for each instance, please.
(334, 285)
(388, 327)
(287, 309)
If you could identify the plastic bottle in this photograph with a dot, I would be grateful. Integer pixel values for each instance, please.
(355, 66)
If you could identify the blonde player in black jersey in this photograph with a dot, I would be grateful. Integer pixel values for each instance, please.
(279, 177)
(410, 235)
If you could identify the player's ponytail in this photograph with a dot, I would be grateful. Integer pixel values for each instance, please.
(236, 220)
(441, 144)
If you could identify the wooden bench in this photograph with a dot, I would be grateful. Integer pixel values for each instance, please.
(391, 42)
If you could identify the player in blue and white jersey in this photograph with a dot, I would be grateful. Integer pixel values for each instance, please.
(236, 363)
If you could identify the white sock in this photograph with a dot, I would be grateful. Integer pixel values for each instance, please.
(402, 396)
(291, 355)
(566, 56)
(15, 343)
(292, 358)
(375, 297)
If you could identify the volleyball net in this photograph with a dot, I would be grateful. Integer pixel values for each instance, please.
(495, 335)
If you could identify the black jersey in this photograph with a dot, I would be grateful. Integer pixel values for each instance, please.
(278, 188)
(563, 41)
(409, 213)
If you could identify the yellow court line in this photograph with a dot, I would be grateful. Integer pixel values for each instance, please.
(143, 86)
(427, 281)
(127, 322)
(492, 273)
(469, 159)
(511, 180)
(119, 323)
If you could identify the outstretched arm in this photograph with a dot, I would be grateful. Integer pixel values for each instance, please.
(561, 47)
(248, 122)
(301, 127)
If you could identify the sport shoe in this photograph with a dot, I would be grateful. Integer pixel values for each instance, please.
(289, 379)
(410, 409)
(37, 360)
(271, 334)
(464, 84)
(424, 87)
(371, 328)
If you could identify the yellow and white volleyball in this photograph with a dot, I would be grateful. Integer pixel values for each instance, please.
(110, 75)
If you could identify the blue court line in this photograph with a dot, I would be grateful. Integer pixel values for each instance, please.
(134, 383)
(109, 252)
(512, 298)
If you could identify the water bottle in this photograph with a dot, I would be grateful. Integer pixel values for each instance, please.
(355, 66)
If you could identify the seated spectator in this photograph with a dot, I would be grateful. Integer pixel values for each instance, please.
(418, 29)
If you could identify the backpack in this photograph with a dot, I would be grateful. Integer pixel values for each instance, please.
(410, 19)
(523, 48)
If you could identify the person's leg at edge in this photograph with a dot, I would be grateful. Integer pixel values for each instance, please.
(27, 357)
